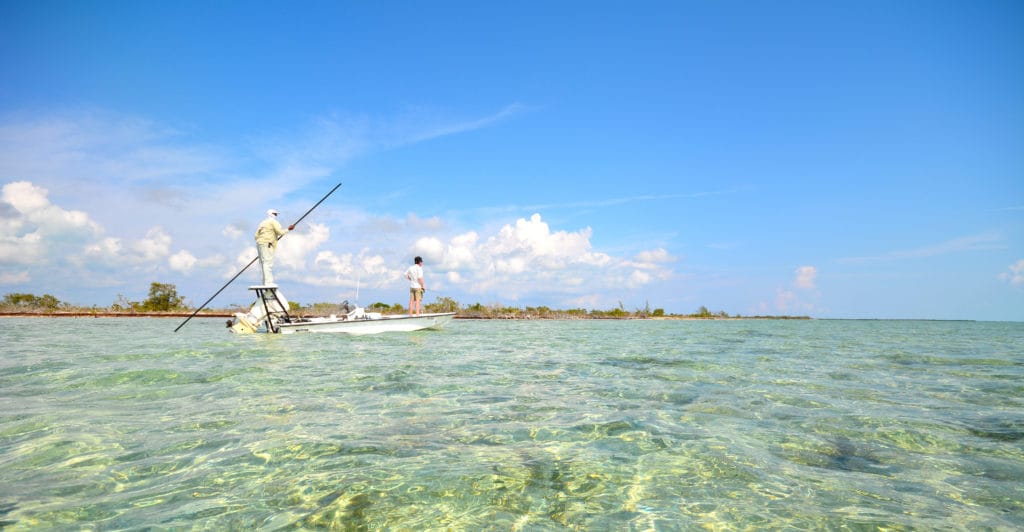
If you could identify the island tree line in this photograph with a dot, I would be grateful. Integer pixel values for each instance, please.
(164, 297)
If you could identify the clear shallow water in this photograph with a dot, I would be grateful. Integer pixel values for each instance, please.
(121, 423)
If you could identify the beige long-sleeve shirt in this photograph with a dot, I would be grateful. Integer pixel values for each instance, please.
(269, 231)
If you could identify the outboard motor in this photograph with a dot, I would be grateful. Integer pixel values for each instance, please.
(250, 322)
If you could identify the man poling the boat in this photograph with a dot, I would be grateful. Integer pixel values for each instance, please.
(240, 272)
(267, 234)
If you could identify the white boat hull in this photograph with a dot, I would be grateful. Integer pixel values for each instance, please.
(269, 314)
(367, 325)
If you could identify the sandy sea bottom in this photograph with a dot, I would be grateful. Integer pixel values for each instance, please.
(124, 424)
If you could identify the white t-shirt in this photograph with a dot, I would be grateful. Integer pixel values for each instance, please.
(413, 274)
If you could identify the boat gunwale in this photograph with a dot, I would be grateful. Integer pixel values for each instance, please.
(363, 320)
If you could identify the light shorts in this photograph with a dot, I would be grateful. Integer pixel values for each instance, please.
(416, 293)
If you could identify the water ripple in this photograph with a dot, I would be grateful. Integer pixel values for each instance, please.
(122, 424)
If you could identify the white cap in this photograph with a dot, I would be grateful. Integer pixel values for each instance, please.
(272, 212)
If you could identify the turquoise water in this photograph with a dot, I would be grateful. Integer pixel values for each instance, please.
(630, 425)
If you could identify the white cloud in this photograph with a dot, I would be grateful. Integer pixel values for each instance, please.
(340, 265)
(32, 226)
(232, 232)
(25, 197)
(1016, 274)
(460, 253)
(18, 277)
(155, 246)
(433, 223)
(26, 249)
(41, 234)
(244, 257)
(293, 249)
(805, 277)
(33, 205)
(348, 270)
(658, 255)
(801, 299)
(429, 248)
(106, 246)
(638, 279)
(520, 254)
(532, 242)
(520, 258)
(585, 301)
(182, 261)
(377, 265)
(528, 256)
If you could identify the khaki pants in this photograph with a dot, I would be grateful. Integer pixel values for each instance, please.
(266, 254)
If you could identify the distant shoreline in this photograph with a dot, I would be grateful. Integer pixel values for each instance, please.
(105, 314)
(108, 314)
(226, 314)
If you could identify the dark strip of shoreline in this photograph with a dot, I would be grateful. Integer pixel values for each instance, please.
(113, 315)
(106, 314)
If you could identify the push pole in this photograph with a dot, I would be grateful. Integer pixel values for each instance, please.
(253, 261)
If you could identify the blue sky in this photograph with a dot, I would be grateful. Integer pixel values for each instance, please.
(834, 159)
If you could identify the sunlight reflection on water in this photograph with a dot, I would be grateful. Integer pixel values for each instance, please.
(120, 423)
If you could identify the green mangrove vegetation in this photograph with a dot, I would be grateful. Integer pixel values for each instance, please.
(164, 298)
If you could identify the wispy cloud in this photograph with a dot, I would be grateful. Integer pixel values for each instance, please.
(601, 203)
(87, 145)
(95, 144)
(443, 129)
(329, 142)
(980, 242)
(130, 167)
(611, 202)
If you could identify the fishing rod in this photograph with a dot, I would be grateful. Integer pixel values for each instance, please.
(253, 261)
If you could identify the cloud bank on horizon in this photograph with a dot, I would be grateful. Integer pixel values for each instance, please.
(828, 160)
(521, 258)
(44, 242)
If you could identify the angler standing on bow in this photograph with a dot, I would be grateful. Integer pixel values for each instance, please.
(416, 286)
